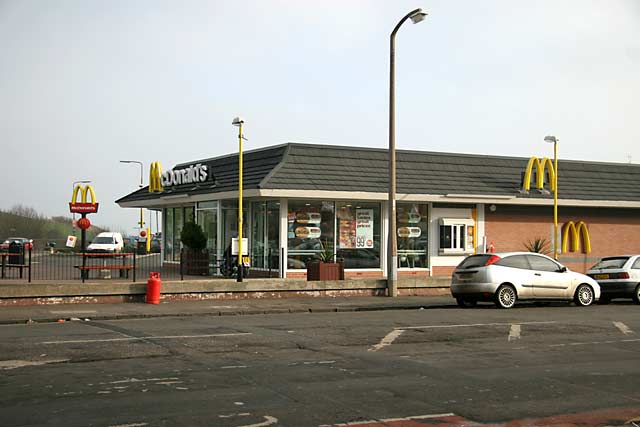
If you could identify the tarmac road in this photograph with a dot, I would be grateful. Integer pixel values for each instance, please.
(554, 365)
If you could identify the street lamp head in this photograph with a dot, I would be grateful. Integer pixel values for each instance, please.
(418, 16)
(551, 139)
(238, 121)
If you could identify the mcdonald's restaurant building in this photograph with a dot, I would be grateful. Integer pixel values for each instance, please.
(301, 198)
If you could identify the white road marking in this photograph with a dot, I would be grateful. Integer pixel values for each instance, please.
(233, 367)
(390, 420)
(131, 425)
(73, 311)
(388, 340)
(166, 337)
(475, 324)
(269, 420)
(138, 380)
(623, 328)
(14, 364)
(514, 332)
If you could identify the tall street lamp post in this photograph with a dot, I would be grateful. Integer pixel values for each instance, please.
(141, 185)
(554, 140)
(239, 121)
(392, 251)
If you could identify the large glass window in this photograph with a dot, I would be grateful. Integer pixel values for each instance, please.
(412, 229)
(265, 235)
(207, 218)
(230, 223)
(310, 227)
(168, 234)
(359, 234)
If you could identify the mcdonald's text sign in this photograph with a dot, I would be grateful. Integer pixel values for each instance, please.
(83, 206)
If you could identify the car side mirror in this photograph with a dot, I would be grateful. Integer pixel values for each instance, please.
(563, 269)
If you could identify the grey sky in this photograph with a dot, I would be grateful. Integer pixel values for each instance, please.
(85, 83)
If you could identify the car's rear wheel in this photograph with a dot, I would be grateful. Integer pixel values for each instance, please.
(636, 295)
(466, 302)
(584, 295)
(506, 296)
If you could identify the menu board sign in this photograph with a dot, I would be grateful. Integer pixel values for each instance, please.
(356, 233)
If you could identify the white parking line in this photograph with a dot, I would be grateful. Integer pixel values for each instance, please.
(387, 340)
(623, 328)
(167, 337)
(514, 332)
(393, 420)
(475, 325)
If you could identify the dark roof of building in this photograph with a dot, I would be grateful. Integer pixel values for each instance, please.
(296, 166)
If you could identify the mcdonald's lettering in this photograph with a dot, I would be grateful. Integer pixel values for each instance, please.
(540, 168)
(155, 182)
(83, 206)
(574, 231)
(192, 175)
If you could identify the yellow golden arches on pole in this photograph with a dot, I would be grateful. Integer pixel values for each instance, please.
(83, 194)
(155, 178)
(540, 167)
(575, 231)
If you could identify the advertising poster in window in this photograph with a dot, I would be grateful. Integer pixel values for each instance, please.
(469, 240)
(347, 233)
(364, 228)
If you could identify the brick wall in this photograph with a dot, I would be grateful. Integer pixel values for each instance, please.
(612, 231)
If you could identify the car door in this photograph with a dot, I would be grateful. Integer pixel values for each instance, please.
(519, 274)
(550, 279)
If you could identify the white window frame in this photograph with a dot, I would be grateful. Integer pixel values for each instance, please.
(459, 246)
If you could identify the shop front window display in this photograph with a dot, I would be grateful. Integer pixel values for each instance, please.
(359, 234)
(412, 230)
(310, 227)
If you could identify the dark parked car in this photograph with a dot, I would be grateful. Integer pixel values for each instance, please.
(27, 243)
(618, 276)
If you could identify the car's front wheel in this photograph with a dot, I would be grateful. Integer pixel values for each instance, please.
(584, 295)
(466, 302)
(636, 295)
(505, 296)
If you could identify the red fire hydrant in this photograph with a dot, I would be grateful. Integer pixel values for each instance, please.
(153, 288)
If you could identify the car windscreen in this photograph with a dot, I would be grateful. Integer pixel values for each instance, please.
(613, 262)
(102, 240)
(474, 261)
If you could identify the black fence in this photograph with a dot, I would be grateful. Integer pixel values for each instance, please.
(48, 264)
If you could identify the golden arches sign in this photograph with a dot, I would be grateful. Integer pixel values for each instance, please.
(155, 178)
(575, 231)
(83, 206)
(540, 167)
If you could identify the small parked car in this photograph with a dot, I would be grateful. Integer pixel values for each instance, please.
(618, 277)
(27, 243)
(507, 277)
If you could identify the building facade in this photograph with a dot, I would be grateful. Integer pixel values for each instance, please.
(300, 199)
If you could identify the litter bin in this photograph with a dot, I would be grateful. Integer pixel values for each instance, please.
(16, 251)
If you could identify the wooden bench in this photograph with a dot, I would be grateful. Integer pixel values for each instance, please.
(122, 267)
(6, 265)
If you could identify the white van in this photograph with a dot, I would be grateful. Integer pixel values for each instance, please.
(107, 242)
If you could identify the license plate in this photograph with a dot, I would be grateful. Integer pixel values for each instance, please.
(601, 276)
(464, 276)
(246, 261)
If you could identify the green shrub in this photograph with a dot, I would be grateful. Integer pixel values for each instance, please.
(193, 237)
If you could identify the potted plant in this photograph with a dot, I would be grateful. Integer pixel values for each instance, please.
(325, 266)
(539, 245)
(195, 257)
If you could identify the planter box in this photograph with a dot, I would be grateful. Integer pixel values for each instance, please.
(325, 271)
(196, 263)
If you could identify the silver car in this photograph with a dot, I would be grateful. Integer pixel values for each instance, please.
(506, 277)
(618, 276)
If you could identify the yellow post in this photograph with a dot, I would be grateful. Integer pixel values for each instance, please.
(555, 200)
(148, 240)
(240, 203)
